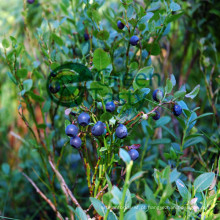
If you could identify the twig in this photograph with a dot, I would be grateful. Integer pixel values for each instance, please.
(63, 184)
(100, 192)
(43, 196)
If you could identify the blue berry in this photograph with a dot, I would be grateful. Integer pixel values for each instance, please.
(110, 106)
(120, 25)
(177, 110)
(157, 95)
(54, 87)
(134, 40)
(30, 1)
(86, 37)
(71, 130)
(133, 154)
(76, 142)
(84, 119)
(156, 116)
(98, 129)
(121, 131)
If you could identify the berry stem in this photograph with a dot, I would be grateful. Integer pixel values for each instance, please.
(125, 188)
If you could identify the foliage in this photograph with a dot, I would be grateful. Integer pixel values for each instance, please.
(176, 174)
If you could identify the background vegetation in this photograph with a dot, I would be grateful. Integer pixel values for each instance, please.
(179, 157)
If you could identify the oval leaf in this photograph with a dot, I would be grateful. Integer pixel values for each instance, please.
(203, 181)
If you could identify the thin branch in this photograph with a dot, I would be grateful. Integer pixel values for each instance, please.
(43, 196)
(100, 192)
(63, 184)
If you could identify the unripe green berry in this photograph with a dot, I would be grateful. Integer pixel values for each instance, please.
(145, 116)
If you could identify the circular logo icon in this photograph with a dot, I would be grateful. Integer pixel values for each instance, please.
(66, 84)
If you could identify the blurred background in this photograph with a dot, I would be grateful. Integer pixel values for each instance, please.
(190, 51)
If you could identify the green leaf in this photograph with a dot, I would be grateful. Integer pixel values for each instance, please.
(47, 105)
(203, 181)
(117, 195)
(193, 141)
(103, 35)
(174, 6)
(13, 40)
(22, 73)
(169, 86)
(174, 175)
(112, 216)
(194, 92)
(27, 84)
(201, 116)
(35, 97)
(101, 59)
(99, 91)
(153, 48)
(94, 14)
(85, 48)
(131, 214)
(5, 43)
(143, 78)
(136, 176)
(108, 181)
(168, 191)
(128, 200)
(141, 215)
(107, 197)
(173, 80)
(6, 168)
(172, 18)
(148, 193)
(57, 39)
(81, 215)
(67, 122)
(106, 116)
(124, 155)
(140, 94)
(179, 95)
(98, 206)
(183, 189)
(12, 78)
(103, 149)
(163, 121)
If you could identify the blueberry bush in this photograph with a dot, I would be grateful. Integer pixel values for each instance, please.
(109, 109)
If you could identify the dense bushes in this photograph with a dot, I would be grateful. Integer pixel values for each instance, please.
(133, 87)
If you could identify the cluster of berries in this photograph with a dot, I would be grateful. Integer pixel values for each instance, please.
(121, 131)
(97, 130)
(158, 96)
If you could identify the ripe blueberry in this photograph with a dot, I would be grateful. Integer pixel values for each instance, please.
(84, 119)
(120, 25)
(71, 130)
(134, 40)
(54, 87)
(177, 110)
(156, 115)
(133, 154)
(86, 37)
(121, 131)
(157, 95)
(98, 129)
(110, 106)
(75, 142)
(30, 1)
